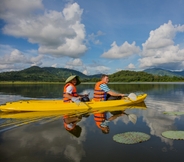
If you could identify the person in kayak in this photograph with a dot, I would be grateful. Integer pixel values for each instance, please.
(102, 91)
(70, 91)
(70, 124)
(102, 122)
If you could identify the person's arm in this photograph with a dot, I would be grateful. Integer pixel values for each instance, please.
(115, 116)
(115, 94)
(73, 120)
(105, 88)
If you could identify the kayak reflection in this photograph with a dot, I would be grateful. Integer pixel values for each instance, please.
(71, 118)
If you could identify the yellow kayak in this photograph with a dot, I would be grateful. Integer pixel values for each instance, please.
(59, 105)
(41, 114)
(15, 119)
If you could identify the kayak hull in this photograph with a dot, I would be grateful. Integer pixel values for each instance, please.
(59, 105)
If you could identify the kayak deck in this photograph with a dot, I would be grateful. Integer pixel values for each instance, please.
(58, 105)
(70, 113)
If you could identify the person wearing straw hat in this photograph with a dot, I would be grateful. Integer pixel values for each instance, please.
(70, 124)
(70, 90)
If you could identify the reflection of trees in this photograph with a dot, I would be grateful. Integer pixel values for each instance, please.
(33, 90)
(56, 90)
(38, 90)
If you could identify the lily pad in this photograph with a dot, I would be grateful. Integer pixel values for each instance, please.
(178, 135)
(131, 137)
(173, 113)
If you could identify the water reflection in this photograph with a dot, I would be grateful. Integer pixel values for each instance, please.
(70, 117)
(66, 142)
(102, 120)
(43, 137)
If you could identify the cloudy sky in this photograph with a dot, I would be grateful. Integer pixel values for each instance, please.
(92, 36)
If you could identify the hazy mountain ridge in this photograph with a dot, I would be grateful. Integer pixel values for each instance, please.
(162, 72)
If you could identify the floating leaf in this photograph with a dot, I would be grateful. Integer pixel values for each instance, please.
(173, 113)
(131, 137)
(178, 135)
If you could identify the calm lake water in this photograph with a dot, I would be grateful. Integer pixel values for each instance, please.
(47, 139)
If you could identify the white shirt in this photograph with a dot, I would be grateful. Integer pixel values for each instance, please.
(69, 89)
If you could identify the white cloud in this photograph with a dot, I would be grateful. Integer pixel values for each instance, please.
(85, 72)
(131, 66)
(101, 69)
(160, 50)
(36, 61)
(11, 10)
(94, 37)
(122, 51)
(75, 62)
(119, 69)
(73, 153)
(54, 65)
(56, 33)
(12, 59)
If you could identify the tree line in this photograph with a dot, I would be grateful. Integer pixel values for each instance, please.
(121, 76)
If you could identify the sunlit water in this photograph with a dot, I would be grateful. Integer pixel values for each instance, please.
(46, 139)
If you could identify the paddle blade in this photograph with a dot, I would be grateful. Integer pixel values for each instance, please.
(76, 100)
(132, 96)
(132, 118)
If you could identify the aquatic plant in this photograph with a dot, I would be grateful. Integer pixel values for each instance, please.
(177, 135)
(173, 113)
(131, 137)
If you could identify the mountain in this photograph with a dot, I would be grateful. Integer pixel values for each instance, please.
(36, 73)
(50, 74)
(163, 72)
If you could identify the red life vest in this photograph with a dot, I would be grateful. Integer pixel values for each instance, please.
(99, 95)
(74, 92)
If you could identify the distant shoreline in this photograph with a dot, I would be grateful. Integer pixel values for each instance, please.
(20, 82)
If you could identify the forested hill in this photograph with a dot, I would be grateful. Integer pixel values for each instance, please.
(50, 74)
(141, 76)
(47, 74)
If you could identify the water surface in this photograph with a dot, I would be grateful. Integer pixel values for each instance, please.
(46, 139)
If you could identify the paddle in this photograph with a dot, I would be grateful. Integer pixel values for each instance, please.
(132, 117)
(132, 96)
(21, 124)
(76, 100)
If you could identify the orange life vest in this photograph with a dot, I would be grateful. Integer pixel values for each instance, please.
(68, 127)
(74, 92)
(99, 95)
(99, 118)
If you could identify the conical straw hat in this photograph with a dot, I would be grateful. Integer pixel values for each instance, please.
(71, 78)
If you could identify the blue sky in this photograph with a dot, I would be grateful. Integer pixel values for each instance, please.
(97, 36)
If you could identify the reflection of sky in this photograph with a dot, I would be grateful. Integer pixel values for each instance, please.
(52, 141)
(159, 122)
(47, 140)
(155, 119)
(9, 98)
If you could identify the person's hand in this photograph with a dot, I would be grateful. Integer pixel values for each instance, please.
(86, 95)
(105, 123)
(122, 95)
(76, 99)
